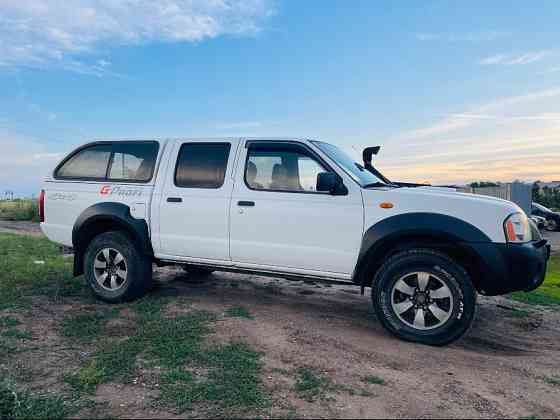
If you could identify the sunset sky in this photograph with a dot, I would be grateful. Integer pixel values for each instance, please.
(453, 91)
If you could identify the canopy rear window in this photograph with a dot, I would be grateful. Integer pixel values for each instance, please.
(120, 162)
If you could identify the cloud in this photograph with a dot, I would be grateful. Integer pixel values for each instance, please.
(239, 125)
(540, 117)
(516, 137)
(24, 162)
(515, 59)
(467, 37)
(555, 69)
(464, 120)
(41, 33)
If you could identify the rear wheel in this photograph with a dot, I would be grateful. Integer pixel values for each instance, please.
(114, 268)
(422, 295)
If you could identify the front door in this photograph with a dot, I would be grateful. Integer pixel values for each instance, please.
(279, 220)
(194, 207)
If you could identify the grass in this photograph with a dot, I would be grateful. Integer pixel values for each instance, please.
(19, 210)
(373, 380)
(552, 380)
(217, 379)
(232, 385)
(22, 277)
(86, 326)
(239, 312)
(10, 337)
(312, 385)
(549, 293)
(18, 404)
(8, 322)
(232, 381)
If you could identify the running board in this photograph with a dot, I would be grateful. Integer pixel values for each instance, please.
(265, 273)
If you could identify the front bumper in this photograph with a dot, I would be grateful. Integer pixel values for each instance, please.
(509, 267)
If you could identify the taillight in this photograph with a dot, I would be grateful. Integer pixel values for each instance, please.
(42, 206)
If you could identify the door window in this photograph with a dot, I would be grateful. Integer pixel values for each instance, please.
(282, 168)
(202, 165)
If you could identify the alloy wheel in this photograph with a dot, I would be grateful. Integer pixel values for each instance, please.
(422, 300)
(110, 269)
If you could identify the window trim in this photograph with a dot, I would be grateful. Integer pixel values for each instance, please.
(206, 143)
(310, 153)
(106, 178)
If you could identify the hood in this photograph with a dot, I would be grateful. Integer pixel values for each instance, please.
(488, 214)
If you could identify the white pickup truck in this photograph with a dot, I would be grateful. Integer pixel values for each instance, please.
(293, 208)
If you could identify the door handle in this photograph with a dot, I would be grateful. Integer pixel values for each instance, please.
(174, 200)
(246, 203)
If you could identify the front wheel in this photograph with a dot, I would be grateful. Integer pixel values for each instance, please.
(115, 269)
(424, 296)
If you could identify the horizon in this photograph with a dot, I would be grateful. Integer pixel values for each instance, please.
(454, 93)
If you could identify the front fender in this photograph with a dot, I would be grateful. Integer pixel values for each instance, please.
(396, 231)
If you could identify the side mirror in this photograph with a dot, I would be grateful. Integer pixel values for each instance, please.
(330, 182)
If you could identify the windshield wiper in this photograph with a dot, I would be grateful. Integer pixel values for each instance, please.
(378, 184)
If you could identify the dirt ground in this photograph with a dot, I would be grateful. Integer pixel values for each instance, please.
(499, 369)
(554, 239)
(29, 228)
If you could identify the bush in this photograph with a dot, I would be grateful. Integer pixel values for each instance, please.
(19, 210)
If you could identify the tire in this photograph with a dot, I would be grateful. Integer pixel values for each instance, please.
(130, 269)
(552, 225)
(197, 271)
(423, 296)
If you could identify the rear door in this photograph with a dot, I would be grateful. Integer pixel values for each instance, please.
(194, 203)
(280, 222)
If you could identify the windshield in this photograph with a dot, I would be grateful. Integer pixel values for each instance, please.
(361, 175)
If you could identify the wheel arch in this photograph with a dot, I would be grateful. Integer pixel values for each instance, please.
(104, 217)
(443, 233)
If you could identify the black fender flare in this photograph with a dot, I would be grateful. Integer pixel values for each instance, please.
(115, 215)
(429, 227)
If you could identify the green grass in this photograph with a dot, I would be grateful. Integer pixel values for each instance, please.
(312, 386)
(86, 326)
(17, 334)
(373, 380)
(10, 337)
(552, 380)
(8, 322)
(228, 375)
(21, 277)
(19, 210)
(18, 404)
(549, 293)
(239, 312)
(232, 383)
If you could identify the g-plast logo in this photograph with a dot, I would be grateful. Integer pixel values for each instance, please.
(105, 190)
(108, 190)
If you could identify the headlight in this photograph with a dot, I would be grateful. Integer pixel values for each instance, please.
(517, 228)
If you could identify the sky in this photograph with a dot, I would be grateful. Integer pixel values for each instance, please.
(454, 92)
